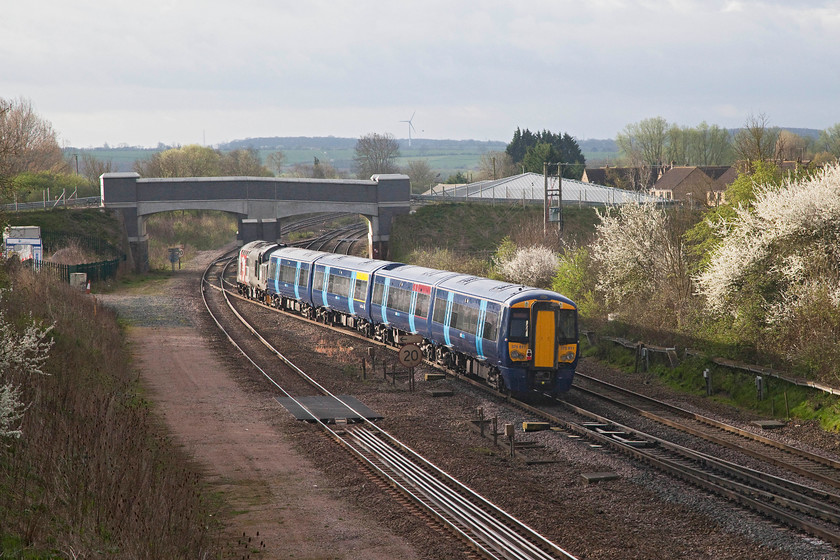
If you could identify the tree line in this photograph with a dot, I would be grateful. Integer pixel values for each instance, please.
(655, 143)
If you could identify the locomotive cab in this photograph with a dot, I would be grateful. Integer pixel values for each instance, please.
(542, 338)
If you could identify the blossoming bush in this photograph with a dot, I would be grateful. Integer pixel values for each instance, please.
(778, 267)
(532, 266)
(641, 263)
(22, 354)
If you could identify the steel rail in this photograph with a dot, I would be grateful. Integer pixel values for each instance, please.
(730, 489)
(816, 462)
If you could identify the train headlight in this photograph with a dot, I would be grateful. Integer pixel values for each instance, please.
(568, 357)
(516, 355)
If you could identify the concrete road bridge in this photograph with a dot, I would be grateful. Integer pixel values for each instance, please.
(259, 203)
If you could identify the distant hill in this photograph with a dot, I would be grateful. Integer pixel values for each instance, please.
(446, 156)
(328, 143)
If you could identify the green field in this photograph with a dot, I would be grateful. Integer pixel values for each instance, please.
(446, 157)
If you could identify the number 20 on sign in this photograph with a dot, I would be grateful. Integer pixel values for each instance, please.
(410, 355)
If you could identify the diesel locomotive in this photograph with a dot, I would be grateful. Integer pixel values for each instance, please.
(517, 338)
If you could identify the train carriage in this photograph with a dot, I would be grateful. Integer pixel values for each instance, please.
(290, 279)
(341, 289)
(515, 337)
(401, 300)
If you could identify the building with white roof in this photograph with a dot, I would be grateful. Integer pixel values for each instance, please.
(529, 188)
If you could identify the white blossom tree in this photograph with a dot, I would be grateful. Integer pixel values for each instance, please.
(788, 240)
(22, 354)
(641, 261)
(532, 266)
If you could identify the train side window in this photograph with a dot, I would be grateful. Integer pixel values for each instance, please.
(272, 269)
(287, 273)
(439, 315)
(339, 285)
(378, 290)
(488, 332)
(361, 290)
(304, 272)
(469, 322)
(518, 330)
(421, 308)
(453, 318)
(318, 280)
(399, 299)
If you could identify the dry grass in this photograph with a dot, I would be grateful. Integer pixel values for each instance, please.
(73, 253)
(93, 474)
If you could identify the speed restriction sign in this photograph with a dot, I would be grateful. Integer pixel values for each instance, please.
(410, 355)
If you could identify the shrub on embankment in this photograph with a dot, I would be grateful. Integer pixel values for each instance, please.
(92, 473)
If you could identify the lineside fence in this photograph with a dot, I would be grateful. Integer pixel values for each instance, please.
(96, 272)
(645, 351)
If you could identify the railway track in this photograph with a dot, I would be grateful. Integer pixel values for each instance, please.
(483, 527)
(810, 465)
(336, 240)
(809, 509)
(796, 505)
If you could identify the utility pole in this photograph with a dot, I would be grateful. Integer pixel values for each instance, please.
(552, 214)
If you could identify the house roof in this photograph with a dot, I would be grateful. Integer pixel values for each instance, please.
(714, 171)
(676, 176)
(726, 179)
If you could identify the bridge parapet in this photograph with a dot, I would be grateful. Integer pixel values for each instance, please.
(379, 199)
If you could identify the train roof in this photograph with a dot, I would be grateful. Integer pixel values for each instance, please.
(359, 264)
(494, 290)
(418, 274)
(298, 254)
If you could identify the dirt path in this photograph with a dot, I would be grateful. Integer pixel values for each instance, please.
(276, 497)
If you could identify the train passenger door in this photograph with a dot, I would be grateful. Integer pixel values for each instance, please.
(544, 335)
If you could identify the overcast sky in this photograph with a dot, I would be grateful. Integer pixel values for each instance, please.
(206, 71)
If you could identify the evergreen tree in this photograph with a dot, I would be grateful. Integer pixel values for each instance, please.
(531, 150)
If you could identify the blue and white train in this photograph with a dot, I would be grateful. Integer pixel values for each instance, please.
(518, 339)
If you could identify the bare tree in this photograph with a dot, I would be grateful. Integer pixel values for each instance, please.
(495, 165)
(275, 162)
(790, 146)
(316, 170)
(27, 141)
(376, 153)
(756, 141)
(92, 168)
(421, 175)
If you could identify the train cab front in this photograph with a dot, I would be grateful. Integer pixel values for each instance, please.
(542, 344)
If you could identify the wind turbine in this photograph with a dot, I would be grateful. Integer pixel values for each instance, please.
(410, 127)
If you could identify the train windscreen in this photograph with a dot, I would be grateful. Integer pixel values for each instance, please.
(567, 326)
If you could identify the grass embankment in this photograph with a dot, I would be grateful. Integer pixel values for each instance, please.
(464, 237)
(93, 474)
